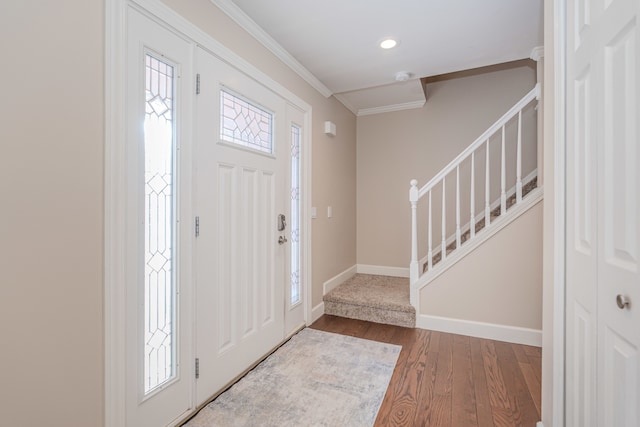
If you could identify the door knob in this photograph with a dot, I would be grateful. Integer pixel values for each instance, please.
(622, 301)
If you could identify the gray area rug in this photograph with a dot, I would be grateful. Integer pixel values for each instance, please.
(315, 379)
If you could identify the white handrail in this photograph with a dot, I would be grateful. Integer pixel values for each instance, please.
(534, 93)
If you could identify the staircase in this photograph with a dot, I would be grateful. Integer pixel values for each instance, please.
(501, 202)
(490, 198)
(380, 299)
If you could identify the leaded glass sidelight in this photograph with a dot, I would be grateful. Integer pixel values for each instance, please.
(245, 124)
(295, 215)
(159, 230)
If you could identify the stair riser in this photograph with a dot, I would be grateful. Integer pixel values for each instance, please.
(370, 314)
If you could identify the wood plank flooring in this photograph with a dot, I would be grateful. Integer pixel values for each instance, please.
(452, 380)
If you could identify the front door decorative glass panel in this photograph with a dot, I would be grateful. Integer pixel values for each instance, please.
(159, 256)
(295, 215)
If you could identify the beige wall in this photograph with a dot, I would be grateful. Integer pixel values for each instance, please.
(51, 214)
(393, 148)
(51, 187)
(506, 287)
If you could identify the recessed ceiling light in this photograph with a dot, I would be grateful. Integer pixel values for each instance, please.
(388, 43)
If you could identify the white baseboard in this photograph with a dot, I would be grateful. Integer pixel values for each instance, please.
(338, 279)
(381, 270)
(317, 312)
(327, 286)
(512, 334)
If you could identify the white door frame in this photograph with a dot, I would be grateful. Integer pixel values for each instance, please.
(558, 310)
(115, 184)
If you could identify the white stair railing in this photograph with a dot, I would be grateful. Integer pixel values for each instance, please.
(440, 181)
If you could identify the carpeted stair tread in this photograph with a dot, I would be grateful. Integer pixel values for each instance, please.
(373, 291)
(380, 299)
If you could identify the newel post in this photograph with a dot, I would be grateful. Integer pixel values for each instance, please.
(413, 267)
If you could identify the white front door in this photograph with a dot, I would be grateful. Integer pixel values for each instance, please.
(603, 213)
(243, 208)
(159, 357)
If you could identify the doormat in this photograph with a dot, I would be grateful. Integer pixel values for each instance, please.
(316, 379)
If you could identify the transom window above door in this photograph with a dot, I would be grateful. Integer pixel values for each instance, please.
(244, 123)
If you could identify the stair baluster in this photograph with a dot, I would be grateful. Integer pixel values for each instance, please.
(429, 251)
(487, 190)
(444, 220)
(472, 218)
(503, 178)
(457, 207)
(519, 160)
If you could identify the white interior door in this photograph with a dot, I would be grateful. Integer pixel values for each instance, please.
(241, 179)
(159, 357)
(619, 215)
(603, 213)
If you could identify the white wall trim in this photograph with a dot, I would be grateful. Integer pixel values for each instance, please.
(250, 26)
(559, 243)
(317, 312)
(338, 279)
(391, 108)
(493, 331)
(114, 237)
(305, 220)
(381, 270)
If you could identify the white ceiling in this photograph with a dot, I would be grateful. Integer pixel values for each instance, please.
(334, 44)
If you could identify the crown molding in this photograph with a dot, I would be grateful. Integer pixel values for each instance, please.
(250, 26)
(391, 108)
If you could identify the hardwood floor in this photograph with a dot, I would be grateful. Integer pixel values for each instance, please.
(452, 380)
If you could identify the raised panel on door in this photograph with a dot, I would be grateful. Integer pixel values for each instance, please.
(248, 290)
(582, 367)
(224, 257)
(241, 189)
(619, 380)
(619, 216)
